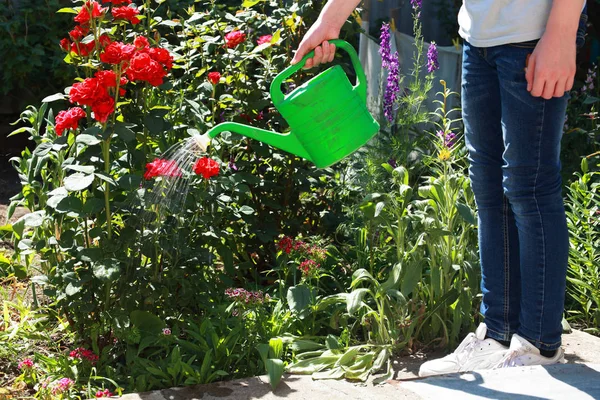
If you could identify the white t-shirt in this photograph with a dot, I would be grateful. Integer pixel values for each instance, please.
(486, 23)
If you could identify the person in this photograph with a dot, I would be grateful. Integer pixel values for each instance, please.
(517, 69)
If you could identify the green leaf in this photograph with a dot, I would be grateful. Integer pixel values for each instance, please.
(107, 270)
(70, 204)
(88, 140)
(263, 351)
(466, 212)
(334, 373)
(124, 132)
(348, 357)
(298, 297)
(332, 342)
(251, 3)
(78, 181)
(246, 210)
(275, 369)
(68, 10)
(312, 365)
(20, 271)
(42, 149)
(354, 300)
(276, 347)
(32, 220)
(86, 169)
(146, 321)
(54, 97)
(72, 289)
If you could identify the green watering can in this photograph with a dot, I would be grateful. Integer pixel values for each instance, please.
(328, 116)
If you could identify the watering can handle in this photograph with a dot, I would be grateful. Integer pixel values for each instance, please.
(361, 80)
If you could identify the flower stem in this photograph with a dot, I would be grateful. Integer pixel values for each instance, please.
(106, 153)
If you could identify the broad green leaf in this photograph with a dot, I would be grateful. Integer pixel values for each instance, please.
(275, 369)
(147, 321)
(302, 345)
(68, 10)
(348, 357)
(70, 204)
(20, 271)
(334, 373)
(43, 149)
(78, 181)
(355, 300)
(246, 210)
(298, 297)
(312, 365)
(124, 132)
(32, 220)
(88, 140)
(107, 270)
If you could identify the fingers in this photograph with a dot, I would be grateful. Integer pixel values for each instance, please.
(560, 89)
(529, 72)
(324, 53)
(549, 88)
(569, 84)
(331, 52)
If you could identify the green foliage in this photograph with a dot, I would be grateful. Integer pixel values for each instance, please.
(583, 288)
(30, 32)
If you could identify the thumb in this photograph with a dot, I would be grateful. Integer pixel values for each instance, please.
(529, 71)
(300, 53)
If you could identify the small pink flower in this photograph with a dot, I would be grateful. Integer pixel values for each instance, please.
(166, 331)
(62, 385)
(26, 364)
(103, 393)
(264, 39)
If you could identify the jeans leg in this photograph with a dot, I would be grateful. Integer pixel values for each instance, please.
(497, 232)
(532, 129)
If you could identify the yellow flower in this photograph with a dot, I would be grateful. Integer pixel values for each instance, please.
(444, 154)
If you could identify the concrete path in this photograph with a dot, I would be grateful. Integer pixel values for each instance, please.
(579, 379)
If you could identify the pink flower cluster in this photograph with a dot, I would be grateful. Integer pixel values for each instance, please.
(308, 266)
(27, 363)
(287, 244)
(244, 296)
(82, 353)
(104, 393)
(62, 385)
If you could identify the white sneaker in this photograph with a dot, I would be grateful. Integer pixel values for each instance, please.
(475, 352)
(522, 353)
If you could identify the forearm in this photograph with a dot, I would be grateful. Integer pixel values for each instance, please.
(336, 12)
(564, 18)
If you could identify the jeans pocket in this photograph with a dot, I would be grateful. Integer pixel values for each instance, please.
(530, 44)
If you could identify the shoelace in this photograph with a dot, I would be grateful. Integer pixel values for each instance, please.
(510, 359)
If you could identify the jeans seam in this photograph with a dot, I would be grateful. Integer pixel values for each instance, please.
(506, 263)
(543, 272)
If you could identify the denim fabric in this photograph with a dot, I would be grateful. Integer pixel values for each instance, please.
(513, 141)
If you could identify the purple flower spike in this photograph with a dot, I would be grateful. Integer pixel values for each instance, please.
(392, 89)
(432, 58)
(416, 3)
(447, 137)
(385, 50)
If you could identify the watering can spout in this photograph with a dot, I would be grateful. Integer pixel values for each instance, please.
(286, 142)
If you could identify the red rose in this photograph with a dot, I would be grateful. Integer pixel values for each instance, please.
(104, 40)
(264, 39)
(88, 92)
(83, 49)
(90, 9)
(141, 42)
(161, 167)
(78, 33)
(117, 2)
(65, 44)
(143, 68)
(207, 167)
(117, 52)
(214, 77)
(103, 108)
(108, 79)
(128, 13)
(68, 120)
(162, 56)
(232, 39)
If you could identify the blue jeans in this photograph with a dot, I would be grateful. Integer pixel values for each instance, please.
(513, 141)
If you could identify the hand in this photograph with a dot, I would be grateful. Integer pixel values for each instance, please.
(317, 38)
(551, 68)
